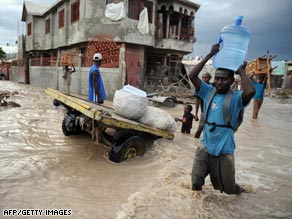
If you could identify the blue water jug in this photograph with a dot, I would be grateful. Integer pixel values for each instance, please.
(234, 39)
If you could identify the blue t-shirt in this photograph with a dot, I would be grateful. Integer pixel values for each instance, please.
(220, 140)
(260, 89)
(91, 93)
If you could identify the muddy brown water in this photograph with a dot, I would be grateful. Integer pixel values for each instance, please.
(40, 168)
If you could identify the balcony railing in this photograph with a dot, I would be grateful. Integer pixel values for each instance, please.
(45, 61)
(186, 34)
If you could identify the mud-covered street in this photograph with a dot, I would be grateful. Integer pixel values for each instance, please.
(40, 168)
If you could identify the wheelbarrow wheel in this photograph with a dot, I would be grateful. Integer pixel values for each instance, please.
(130, 148)
(56, 102)
(64, 129)
(69, 127)
(169, 102)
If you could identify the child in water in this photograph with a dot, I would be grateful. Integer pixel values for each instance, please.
(187, 120)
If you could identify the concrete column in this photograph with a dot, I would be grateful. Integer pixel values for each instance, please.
(179, 27)
(41, 64)
(189, 28)
(122, 64)
(160, 26)
(168, 59)
(285, 77)
(167, 25)
(52, 17)
(57, 67)
(67, 22)
(79, 72)
(165, 60)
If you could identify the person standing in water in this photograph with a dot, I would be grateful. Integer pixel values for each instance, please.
(215, 156)
(206, 77)
(96, 91)
(258, 98)
(67, 77)
(187, 120)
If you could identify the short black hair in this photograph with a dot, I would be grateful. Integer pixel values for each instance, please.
(230, 72)
(190, 107)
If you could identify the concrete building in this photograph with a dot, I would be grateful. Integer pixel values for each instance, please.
(281, 76)
(71, 26)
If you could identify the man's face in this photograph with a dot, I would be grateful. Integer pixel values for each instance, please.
(222, 81)
(98, 62)
(261, 78)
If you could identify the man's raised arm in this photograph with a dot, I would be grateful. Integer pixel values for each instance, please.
(198, 68)
(248, 89)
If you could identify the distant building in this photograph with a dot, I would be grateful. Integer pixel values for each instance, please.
(282, 75)
(68, 26)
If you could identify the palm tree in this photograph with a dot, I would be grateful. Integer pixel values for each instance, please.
(2, 54)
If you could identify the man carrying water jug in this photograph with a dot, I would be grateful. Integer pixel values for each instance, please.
(222, 108)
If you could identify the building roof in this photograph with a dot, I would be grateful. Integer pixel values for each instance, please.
(41, 9)
(185, 6)
(33, 9)
(188, 2)
(55, 4)
(36, 8)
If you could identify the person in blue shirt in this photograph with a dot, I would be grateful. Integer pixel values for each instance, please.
(96, 91)
(258, 98)
(216, 154)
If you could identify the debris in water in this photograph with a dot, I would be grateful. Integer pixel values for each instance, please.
(4, 95)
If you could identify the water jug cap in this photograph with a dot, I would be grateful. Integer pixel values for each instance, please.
(238, 20)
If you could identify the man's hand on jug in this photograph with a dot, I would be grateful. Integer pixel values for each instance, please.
(215, 49)
(241, 69)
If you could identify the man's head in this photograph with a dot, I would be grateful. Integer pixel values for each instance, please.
(188, 108)
(66, 68)
(206, 77)
(223, 80)
(261, 78)
(97, 58)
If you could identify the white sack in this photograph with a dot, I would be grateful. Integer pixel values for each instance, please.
(143, 24)
(115, 11)
(133, 90)
(129, 105)
(158, 118)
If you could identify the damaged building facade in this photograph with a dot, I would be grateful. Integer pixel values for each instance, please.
(142, 41)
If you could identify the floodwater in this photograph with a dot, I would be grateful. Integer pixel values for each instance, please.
(40, 168)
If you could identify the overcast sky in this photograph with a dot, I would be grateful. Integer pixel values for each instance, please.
(269, 21)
